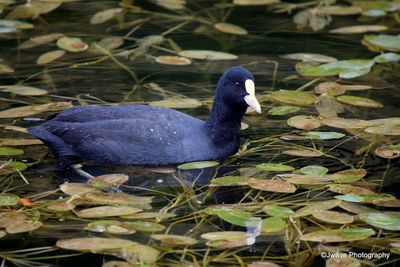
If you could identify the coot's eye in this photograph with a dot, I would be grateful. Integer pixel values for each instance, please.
(237, 84)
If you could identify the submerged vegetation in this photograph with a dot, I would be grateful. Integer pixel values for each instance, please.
(318, 171)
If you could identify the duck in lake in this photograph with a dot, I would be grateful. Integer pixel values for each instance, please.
(148, 135)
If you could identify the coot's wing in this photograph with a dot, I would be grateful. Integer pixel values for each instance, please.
(166, 137)
(97, 113)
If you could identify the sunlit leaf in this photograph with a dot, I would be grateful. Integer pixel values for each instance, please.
(10, 151)
(338, 235)
(351, 198)
(344, 68)
(344, 123)
(304, 122)
(228, 239)
(104, 15)
(254, 2)
(75, 189)
(207, 54)
(273, 225)
(355, 207)
(359, 101)
(49, 57)
(283, 110)
(230, 28)
(324, 135)
(198, 165)
(384, 130)
(6, 69)
(271, 185)
(23, 90)
(107, 211)
(349, 189)
(141, 202)
(45, 39)
(175, 239)
(387, 58)
(338, 10)
(359, 29)
(303, 153)
(330, 88)
(333, 217)
(274, 167)
(349, 175)
(236, 217)
(388, 151)
(177, 103)
(108, 181)
(93, 243)
(8, 199)
(111, 227)
(144, 226)
(382, 42)
(278, 211)
(229, 181)
(314, 170)
(33, 110)
(309, 57)
(72, 44)
(173, 60)
(292, 97)
(381, 220)
(150, 215)
(343, 262)
(21, 227)
(315, 206)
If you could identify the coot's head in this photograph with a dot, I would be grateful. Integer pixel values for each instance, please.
(236, 88)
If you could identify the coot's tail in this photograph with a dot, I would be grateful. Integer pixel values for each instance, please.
(62, 150)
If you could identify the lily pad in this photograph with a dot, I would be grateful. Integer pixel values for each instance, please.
(33, 110)
(283, 110)
(141, 202)
(273, 225)
(314, 170)
(11, 167)
(108, 181)
(330, 88)
(381, 220)
(304, 122)
(72, 44)
(309, 179)
(144, 226)
(349, 189)
(344, 123)
(110, 226)
(359, 29)
(207, 55)
(173, 60)
(382, 42)
(359, 101)
(384, 130)
(8, 199)
(49, 57)
(278, 211)
(349, 175)
(10, 151)
(75, 189)
(104, 15)
(107, 211)
(22, 227)
(324, 135)
(343, 262)
(355, 207)
(47, 38)
(228, 239)
(150, 215)
(274, 167)
(230, 28)
(229, 181)
(198, 165)
(351, 198)
(175, 240)
(293, 97)
(388, 151)
(236, 217)
(333, 217)
(315, 206)
(387, 58)
(254, 2)
(271, 185)
(309, 57)
(338, 235)
(303, 153)
(23, 90)
(93, 244)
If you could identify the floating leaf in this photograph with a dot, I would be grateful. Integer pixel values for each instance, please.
(23, 90)
(104, 15)
(254, 2)
(229, 181)
(173, 60)
(303, 153)
(271, 185)
(45, 39)
(172, 4)
(64, 205)
(93, 244)
(333, 217)
(207, 54)
(8, 199)
(110, 43)
(108, 181)
(177, 103)
(314, 206)
(111, 227)
(355, 207)
(342, 262)
(349, 175)
(304, 122)
(388, 151)
(75, 189)
(314, 170)
(349, 189)
(11, 167)
(293, 97)
(381, 220)
(106, 211)
(273, 225)
(274, 167)
(359, 29)
(344, 68)
(359, 101)
(382, 42)
(374, 13)
(330, 88)
(228, 239)
(278, 211)
(344, 123)
(283, 110)
(263, 264)
(236, 217)
(230, 28)
(337, 10)
(143, 226)
(384, 130)
(7, 26)
(351, 198)
(10, 151)
(49, 57)
(387, 58)
(356, 87)
(338, 235)
(198, 165)
(72, 44)
(150, 215)
(175, 239)
(324, 135)
(5, 68)
(309, 57)
(309, 179)
(22, 227)
(33, 110)
(101, 198)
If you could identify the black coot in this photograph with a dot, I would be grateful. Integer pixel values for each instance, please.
(147, 135)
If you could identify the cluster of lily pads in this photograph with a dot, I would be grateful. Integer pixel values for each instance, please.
(290, 199)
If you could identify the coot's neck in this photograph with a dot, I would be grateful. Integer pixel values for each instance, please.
(223, 124)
